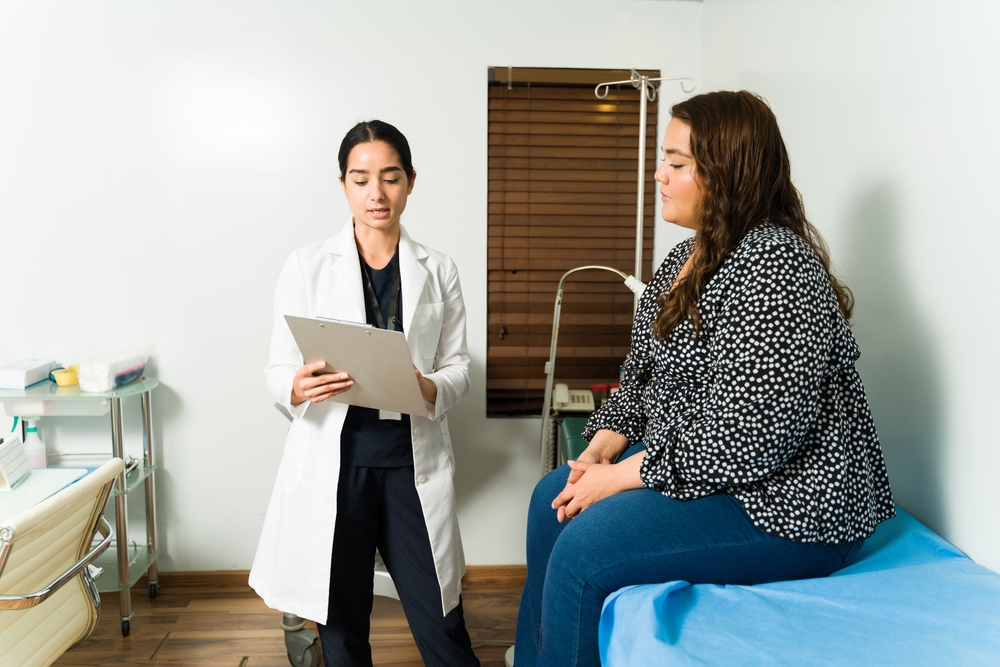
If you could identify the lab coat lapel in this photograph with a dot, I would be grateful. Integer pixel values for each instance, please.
(349, 300)
(413, 276)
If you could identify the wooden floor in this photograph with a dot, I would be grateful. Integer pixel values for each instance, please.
(227, 625)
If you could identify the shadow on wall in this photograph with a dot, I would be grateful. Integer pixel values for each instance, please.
(899, 364)
(482, 453)
(166, 406)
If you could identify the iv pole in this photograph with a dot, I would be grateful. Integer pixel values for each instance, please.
(548, 435)
(634, 282)
(648, 93)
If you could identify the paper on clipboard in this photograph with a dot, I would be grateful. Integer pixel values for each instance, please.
(378, 361)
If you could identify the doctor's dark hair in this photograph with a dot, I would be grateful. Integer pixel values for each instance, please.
(376, 130)
(744, 176)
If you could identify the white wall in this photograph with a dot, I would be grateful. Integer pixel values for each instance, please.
(158, 161)
(889, 110)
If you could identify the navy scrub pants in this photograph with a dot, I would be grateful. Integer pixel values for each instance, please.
(379, 508)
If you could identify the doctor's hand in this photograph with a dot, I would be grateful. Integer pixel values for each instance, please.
(428, 389)
(318, 388)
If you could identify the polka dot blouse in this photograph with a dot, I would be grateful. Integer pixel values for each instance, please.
(765, 404)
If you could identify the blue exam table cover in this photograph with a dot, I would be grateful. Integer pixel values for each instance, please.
(910, 599)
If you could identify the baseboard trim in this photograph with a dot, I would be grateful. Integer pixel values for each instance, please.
(494, 576)
(217, 579)
(476, 577)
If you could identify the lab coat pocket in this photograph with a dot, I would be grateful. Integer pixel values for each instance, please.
(427, 326)
(293, 461)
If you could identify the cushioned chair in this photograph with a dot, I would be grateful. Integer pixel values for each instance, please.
(48, 600)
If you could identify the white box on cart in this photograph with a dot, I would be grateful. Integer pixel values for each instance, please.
(24, 373)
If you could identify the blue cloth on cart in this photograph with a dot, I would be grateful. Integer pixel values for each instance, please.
(910, 599)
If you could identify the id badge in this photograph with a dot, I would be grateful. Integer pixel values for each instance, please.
(385, 414)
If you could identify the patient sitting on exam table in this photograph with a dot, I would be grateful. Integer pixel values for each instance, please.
(740, 448)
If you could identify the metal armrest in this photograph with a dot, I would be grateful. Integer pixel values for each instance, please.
(35, 599)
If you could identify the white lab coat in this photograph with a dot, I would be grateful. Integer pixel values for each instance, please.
(291, 570)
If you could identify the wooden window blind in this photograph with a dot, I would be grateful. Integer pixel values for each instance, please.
(562, 194)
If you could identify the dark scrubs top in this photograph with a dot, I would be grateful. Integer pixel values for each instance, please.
(367, 440)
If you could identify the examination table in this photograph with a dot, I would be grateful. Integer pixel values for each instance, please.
(910, 599)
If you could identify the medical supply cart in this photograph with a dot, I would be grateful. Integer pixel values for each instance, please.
(128, 559)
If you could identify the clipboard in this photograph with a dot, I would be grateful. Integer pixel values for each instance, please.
(378, 361)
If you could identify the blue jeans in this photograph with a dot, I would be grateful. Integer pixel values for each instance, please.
(640, 537)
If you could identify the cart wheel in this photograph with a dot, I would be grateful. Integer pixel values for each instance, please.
(311, 657)
(300, 644)
(153, 590)
(126, 628)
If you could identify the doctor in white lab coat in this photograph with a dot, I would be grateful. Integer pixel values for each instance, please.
(334, 279)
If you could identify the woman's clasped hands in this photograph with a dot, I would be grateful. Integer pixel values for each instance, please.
(594, 475)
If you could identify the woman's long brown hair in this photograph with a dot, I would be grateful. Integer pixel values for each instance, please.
(745, 179)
